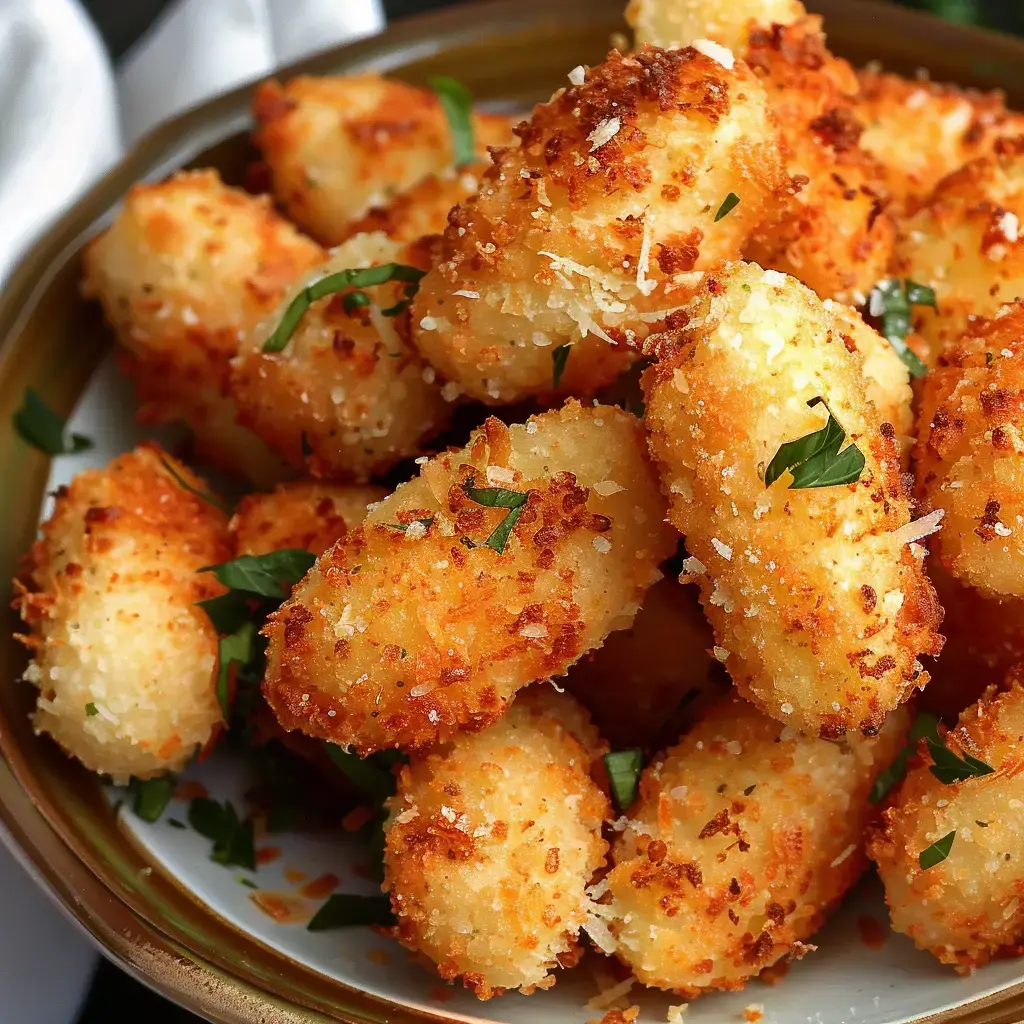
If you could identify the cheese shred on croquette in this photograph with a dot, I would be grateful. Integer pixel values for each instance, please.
(500, 564)
(492, 841)
(817, 596)
(124, 661)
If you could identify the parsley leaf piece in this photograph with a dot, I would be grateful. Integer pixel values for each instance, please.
(151, 796)
(402, 527)
(890, 302)
(925, 725)
(232, 839)
(729, 204)
(948, 768)
(624, 768)
(174, 823)
(91, 709)
(354, 301)
(815, 459)
(374, 782)
(345, 910)
(330, 285)
(227, 612)
(457, 102)
(559, 357)
(194, 491)
(498, 497)
(264, 575)
(236, 649)
(937, 852)
(38, 425)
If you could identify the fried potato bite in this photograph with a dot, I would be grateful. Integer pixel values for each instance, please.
(187, 267)
(920, 131)
(338, 145)
(492, 841)
(300, 515)
(728, 22)
(348, 396)
(965, 242)
(640, 695)
(744, 837)
(966, 908)
(820, 606)
(594, 222)
(430, 617)
(970, 454)
(124, 661)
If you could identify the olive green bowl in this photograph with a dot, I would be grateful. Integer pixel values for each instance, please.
(55, 816)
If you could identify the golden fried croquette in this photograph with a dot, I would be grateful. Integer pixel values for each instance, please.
(820, 606)
(300, 515)
(965, 909)
(187, 267)
(492, 841)
(920, 131)
(336, 146)
(348, 396)
(596, 220)
(969, 459)
(966, 243)
(638, 694)
(727, 22)
(744, 836)
(125, 663)
(426, 621)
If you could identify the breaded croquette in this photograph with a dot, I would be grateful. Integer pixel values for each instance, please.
(819, 602)
(970, 454)
(336, 146)
(727, 22)
(125, 663)
(500, 564)
(300, 515)
(963, 908)
(965, 242)
(621, 187)
(745, 835)
(639, 693)
(492, 841)
(187, 267)
(348, 396)
(920, 131)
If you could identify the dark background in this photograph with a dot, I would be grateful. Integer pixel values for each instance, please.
(115, 996)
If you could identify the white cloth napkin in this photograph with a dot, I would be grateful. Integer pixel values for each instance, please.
(66, 115)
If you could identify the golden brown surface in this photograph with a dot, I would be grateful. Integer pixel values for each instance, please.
(348, 397)
(598, 218)
(970, 454)
(336, 146)
(187, 267)
(492, 841)
(109, 594)
(820, 606)
(744, 836)
(405, 637)
(966, 909)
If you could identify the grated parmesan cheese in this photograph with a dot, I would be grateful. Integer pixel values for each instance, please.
(604, 132)
(919, 528)
(716, 52)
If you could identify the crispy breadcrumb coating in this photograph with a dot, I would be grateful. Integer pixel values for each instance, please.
(125, 663)
(819, 603)
(348, 397)
(413, 628)
(745, 835)
(492, 841)
(965, 241)
(187, 266)
(969, 459)
(336, 146)
(597, 220)
(727, 22)
(966, 909)
(300, 515)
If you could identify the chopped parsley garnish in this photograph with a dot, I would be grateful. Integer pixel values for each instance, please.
(937, 852)
(559, 357)
(890, 302)
(174, 823)
(247, 882)
(344, 910)
(729, 204)
(425, 523)
(815, 459)
(352, 302)
(151, 796)
(235, 649)
(498, 497)
(194, 491)
(232, 838)
(338, 282)
(457, 102)
(948, 768)
(38, 425)
(624, 768)
(376, 783)
(91, 709)
(924, 725)
(264, 575)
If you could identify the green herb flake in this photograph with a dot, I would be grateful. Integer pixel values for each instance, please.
(457, 102)
(498, 497)
(374, 782)
(890, 302)
(236, 649)
(344, 910)
(174, 823)
(624, 768)
(948, 768)
(729, 204)
(352, 302)
(247, 882)
(227, 612)
(559, 357)
(91, 710)
(194, 491)
(233, 842)
(402, 527)
(38, 425)
(264, 575)
(924, 725)
(937, 852)
(749, 789)
(151, 796)
(815, 460)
